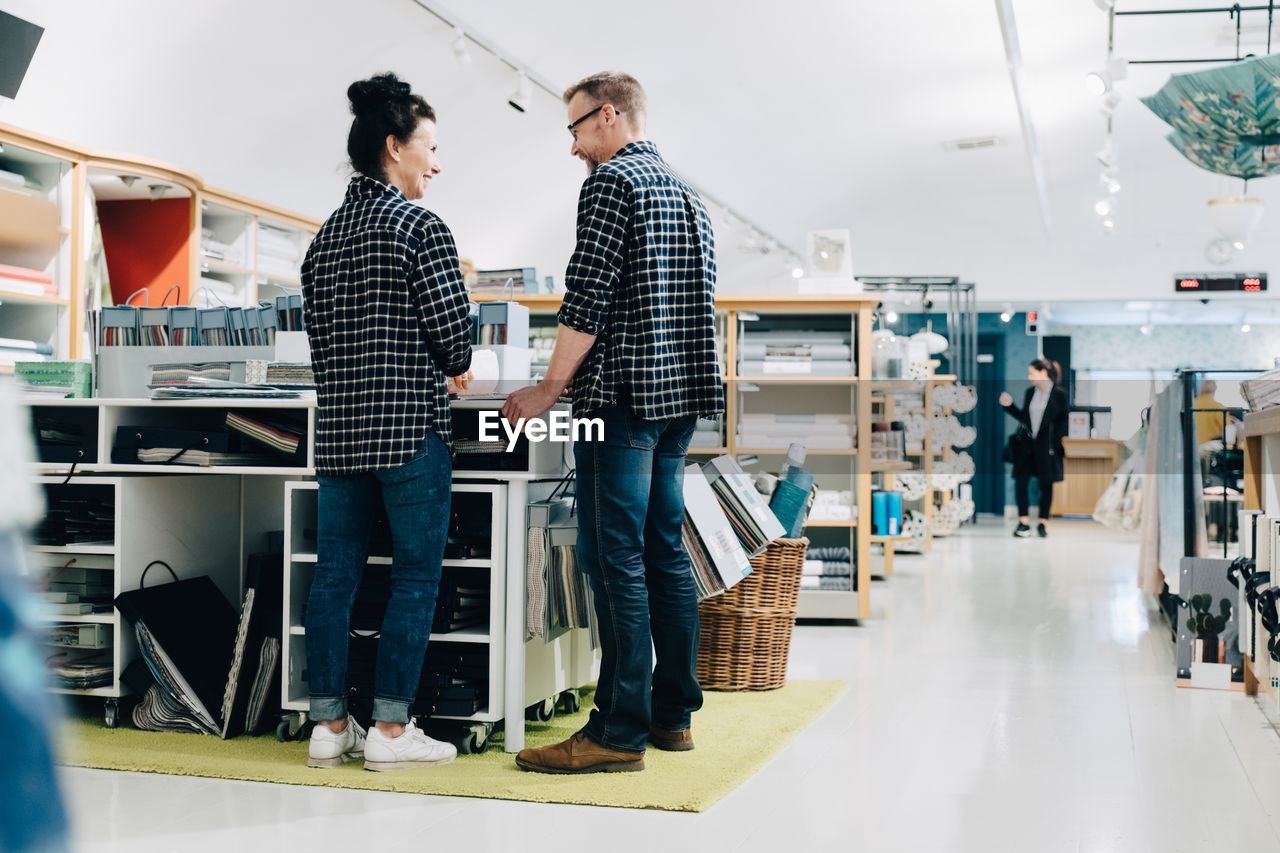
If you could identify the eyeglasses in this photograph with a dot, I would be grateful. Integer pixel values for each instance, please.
(574, 125)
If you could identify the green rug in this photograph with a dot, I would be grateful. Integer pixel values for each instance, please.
(736, 735)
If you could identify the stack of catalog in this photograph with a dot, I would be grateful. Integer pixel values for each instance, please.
(795, 353)
(778, 432)
(827, 569)
(715, 553)
(747, 510)
(1262, 391)
(279, 252)
(707, 433)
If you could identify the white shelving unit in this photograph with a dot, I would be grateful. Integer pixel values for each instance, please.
(180, 520)
(300, 562)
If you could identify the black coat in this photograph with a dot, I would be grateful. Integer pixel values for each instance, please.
(1043, 455)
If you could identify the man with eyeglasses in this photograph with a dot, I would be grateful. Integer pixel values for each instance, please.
(637, 343)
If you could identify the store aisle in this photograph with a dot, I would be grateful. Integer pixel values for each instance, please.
(1009, 695)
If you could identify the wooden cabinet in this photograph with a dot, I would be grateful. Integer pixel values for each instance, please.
(1088, 468)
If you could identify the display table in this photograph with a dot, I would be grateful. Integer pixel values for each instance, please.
(1088, 468)
(208, 525)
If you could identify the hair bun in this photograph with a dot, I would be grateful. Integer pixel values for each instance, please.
(367, 96)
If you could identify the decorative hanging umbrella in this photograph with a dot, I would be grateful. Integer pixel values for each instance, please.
(1225, 120)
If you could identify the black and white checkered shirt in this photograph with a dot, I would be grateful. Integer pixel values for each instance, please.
(386, 314)
(642, 279)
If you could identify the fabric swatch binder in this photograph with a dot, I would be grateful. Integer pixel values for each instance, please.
(119, 326)
(212, 326)
(153, 327)
(187, 632)
(747, 510)
(182, 326)
(260, 616)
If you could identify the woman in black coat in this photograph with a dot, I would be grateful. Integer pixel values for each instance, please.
(1036, 448)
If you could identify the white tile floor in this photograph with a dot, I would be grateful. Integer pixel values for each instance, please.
(1008, 695)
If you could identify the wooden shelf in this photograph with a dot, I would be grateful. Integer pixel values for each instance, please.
(272, 278)
(709, 451)
(792, 380)
(877, 467)
(782, 451)
(853, 523)
(884, 539)
(223, 267)
(1265, 422)
(11, 298)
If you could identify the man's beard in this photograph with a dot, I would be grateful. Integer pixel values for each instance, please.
(592, 165)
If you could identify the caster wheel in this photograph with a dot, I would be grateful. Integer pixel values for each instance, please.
(111, 715)
(570, 702)
(543, 712)
(474, 743)
(282, 731)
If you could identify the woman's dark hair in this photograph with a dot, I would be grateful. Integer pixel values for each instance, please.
(383, 105)
(1050, 367)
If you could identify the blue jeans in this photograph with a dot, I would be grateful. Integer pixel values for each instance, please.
(417, 496)
(31, 811)
(631, 510)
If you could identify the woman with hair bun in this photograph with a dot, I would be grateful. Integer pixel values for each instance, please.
(387, 317)
(1036, 448)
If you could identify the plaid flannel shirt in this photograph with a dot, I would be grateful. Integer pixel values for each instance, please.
(387, 317)
(642, 278)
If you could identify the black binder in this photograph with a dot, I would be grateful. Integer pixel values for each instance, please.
(195, 625)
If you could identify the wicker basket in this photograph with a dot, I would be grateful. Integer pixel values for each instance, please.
(746, 632)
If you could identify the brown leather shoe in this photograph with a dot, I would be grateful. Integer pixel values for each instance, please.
(671, 741)
(579, 754)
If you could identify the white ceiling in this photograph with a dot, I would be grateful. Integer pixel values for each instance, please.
(805, 115)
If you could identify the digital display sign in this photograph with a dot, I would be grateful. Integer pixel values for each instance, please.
(1239, 282)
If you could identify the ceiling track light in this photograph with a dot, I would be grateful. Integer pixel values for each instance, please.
(460, 50)
(520, 98)
(1109, 103)
(1107, 156)
(1105, 5)
(1105, 207)
(1098, 82)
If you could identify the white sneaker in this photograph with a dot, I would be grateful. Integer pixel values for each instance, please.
(411, 749)
(330, 750)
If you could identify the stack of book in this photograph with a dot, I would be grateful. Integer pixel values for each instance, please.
(778, 432)
(14, 350)
(459, 604)
(26, 282)
(747, 510)
(519, 280)
(1262, 391)
(718, 561)
(75, 520)
(795, 353)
